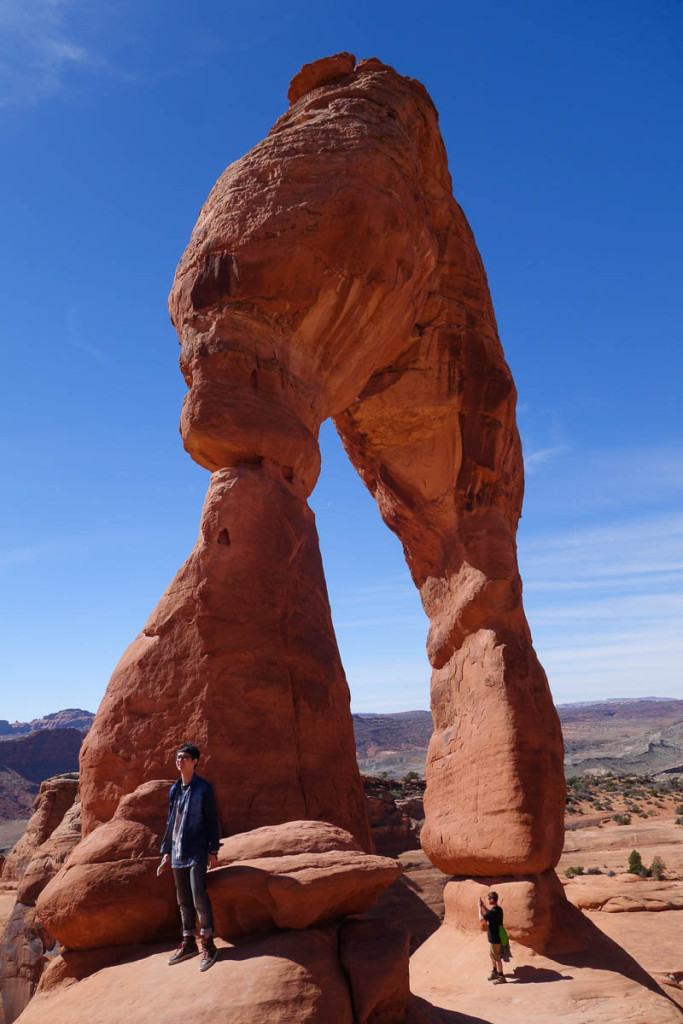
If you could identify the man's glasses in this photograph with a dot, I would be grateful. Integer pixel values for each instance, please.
(183, 757)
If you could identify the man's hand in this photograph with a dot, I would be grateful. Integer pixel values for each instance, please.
(164, 864)
(212, 861)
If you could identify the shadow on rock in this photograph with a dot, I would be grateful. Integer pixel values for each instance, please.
(526, 975)
(597, 950)
(400, 902)
(420, 1011)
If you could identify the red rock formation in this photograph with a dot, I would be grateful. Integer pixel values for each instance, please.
(296, 875)
(395, 823)
(285, 319)
(240, 657)
(336, 975)
(51, 834)
(332, 274)
(54, 799)
(107, 892)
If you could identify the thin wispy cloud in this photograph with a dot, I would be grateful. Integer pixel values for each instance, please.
(75, 334)
(32, 552)
(38, 50)
(605, 605)
(542, 455)
(589, 483)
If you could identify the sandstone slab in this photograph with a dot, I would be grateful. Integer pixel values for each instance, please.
(291, 977)
(624, 893)
(601, 984)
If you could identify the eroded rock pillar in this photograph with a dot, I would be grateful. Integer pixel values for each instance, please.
(240, 657)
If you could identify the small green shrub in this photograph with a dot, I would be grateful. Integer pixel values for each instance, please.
(571, 872)
(657, 868)
(635, 863)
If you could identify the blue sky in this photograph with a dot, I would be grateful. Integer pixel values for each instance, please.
(562, 124)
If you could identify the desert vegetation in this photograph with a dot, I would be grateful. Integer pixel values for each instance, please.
(624, 798)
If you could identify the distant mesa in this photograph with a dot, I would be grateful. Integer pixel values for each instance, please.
(70, 718)
(33, 751)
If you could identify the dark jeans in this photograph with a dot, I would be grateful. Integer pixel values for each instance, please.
(193, 899)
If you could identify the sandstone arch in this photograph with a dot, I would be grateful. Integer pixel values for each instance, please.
(331, 273)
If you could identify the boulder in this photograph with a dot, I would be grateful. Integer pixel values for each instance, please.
(108, 892)
(536, 911)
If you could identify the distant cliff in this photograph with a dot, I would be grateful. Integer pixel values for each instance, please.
(631, 735)
(70, 718)
(33, 751)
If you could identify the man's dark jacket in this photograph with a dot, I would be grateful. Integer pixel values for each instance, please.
(199, 831)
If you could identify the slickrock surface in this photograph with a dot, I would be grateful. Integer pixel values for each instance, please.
(293, 976)
(608, 847)
(356, 973)
(624, 893)
(599, 985)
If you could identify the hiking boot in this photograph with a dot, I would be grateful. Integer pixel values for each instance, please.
(186, 949)
(493, 975)
(209, 954)
(500, 980)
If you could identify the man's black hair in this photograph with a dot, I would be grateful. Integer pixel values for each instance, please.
(492, 895)
(189, 748)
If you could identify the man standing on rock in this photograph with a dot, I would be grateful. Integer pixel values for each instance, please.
(494, 919)
(192, 841)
